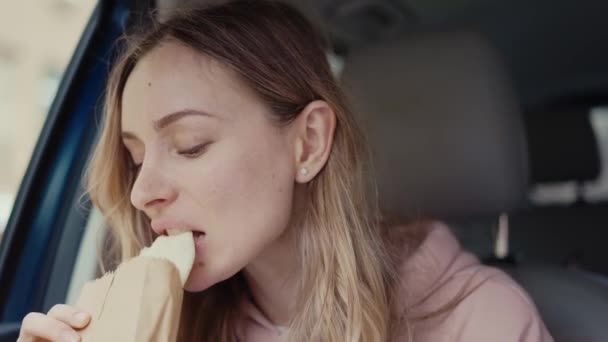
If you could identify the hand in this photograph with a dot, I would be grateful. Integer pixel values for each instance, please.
(58, 325)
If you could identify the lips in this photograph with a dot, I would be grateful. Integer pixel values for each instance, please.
(161, 227)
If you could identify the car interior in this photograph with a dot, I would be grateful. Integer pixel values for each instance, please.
(489, 115)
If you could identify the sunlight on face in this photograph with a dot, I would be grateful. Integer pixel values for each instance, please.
(211, 159)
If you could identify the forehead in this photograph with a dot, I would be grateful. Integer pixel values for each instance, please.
(174, 77)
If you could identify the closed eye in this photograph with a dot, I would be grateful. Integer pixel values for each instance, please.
(194, 151)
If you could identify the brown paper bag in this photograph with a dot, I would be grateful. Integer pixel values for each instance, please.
(140, 301)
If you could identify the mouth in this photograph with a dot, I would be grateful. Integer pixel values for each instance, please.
(198, 235)
(172, 227)
(175, 231)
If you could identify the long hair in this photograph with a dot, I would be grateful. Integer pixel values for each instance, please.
(348, 278)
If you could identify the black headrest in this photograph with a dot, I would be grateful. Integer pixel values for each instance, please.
(446, 131)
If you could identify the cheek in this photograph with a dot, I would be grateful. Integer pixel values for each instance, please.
(245, 195)
(254, 191)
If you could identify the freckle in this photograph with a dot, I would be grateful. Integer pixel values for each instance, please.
(149, 84)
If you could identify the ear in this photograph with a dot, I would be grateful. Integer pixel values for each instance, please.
(315, 127)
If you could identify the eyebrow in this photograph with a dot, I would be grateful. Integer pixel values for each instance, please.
(170, 119)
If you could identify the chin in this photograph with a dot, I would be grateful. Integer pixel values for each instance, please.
(201, 279)
(195, 287)
(198, 280)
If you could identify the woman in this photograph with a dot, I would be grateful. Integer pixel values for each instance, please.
(227, 120)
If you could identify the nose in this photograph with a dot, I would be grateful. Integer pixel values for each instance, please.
(152, 191)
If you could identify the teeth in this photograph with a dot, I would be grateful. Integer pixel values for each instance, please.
(172, 232)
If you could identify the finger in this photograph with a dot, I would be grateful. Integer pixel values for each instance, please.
(36, 325)
(69, 315)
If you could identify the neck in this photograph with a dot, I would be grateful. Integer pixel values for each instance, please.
(273, 279)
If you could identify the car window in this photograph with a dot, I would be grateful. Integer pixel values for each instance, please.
(565, 193)
(598, 191)
(37, 39)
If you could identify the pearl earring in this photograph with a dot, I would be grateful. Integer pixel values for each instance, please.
(303, 171)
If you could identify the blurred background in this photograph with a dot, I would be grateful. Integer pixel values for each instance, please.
(37, 40)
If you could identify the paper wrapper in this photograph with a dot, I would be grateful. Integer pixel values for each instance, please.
(140, 301)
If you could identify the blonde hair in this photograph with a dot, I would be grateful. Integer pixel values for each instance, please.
(348, 275)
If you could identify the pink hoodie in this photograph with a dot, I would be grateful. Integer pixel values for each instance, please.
(497, 310)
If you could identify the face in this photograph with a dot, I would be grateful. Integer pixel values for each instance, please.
(211, 160)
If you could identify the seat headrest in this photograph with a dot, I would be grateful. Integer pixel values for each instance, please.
(445, 129)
